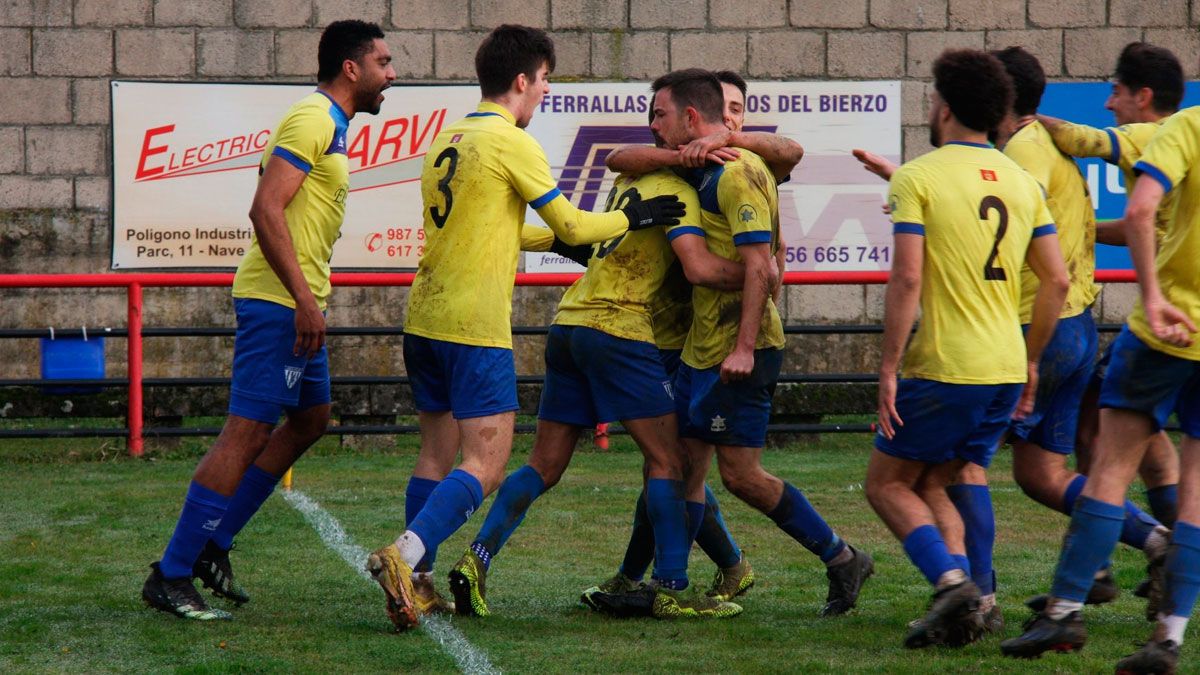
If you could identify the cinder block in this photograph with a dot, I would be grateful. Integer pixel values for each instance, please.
(429, 14)
(454, 54)
(328, 11)
(1091, 52)
(412, 53)
(914, 102)
(230, 53)
(113, 12)
(1046, 45)
(589, 14)
(572, 54)
(1185, 42)
(488, 14)
(748, 14)
(35, 13)
(790, 53)
(875, 304)
(865, 54)
(919, 14)
(36, 192)
(14, 51)
(668, 14)
(296, 53)
(1148, 13)
(925, 47)
(40, 100)
(620, 55)
(716, 51)
(92, 193)
(828, 13)
(824, 304)
(1117, 301)
(1066, 13)
(66, 150)
(91, 101)
(916, 142)
(148, 52)
(75, 52)
(975, 15)
(12, 150)
(193, 12)
(272, 13)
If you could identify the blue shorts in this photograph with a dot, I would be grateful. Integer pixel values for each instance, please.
(944, 422)
(671, 358)
(1102, 366)
(466, 380)
(1066, 369)
(593, 377)
(268, 379)
(1148, 381)
(732, 414)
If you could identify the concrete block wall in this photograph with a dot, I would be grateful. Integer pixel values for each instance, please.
(58, 56)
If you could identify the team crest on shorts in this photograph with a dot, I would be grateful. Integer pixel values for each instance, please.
(212, 525)
(291, 375)
(718, 424)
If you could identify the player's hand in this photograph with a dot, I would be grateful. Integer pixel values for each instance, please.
(875, 164)
(737, 366)
(1028, 393)
(887, 406)
(580, 254)
(661, 210)
(695, 154)
(1168, 322)
(310, 329)
(722, 155)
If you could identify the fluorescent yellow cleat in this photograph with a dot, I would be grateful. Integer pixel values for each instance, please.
(691, 604)
(731, 582)
(395, 578)
(468, 583)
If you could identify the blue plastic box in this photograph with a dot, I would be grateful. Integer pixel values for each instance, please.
(72, 358)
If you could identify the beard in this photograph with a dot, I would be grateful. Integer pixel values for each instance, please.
(935, 136)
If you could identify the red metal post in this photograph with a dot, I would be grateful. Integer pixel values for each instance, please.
(135, 369)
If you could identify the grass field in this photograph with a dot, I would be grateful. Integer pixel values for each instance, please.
(79, 523)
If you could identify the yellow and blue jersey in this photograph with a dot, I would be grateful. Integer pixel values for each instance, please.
(479, 176)
(1171, 159)
(739, 205)
(312, 138)
(619, 293)
(672, 311)
(977, 211)
(1070, 206)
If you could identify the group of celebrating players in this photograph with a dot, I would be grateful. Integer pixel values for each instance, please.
(673, 331)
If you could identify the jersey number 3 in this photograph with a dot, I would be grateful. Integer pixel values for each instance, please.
(449, 154)
(992, 203)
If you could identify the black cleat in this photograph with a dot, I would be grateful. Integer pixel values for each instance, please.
(1043, 634)
(1142, 590)
(974, 627)
(178, 597)
(1104, 590)
(845, 582)
(626, 605)
(214, 572)
(1156, 588)
(949, 606)
(1153, 657)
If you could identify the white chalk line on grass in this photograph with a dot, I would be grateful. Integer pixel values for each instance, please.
(470, 659)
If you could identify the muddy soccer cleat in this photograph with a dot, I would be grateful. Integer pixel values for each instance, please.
(949, 606)
(1153, 657)
(426, 598)
(691, 604)
(1043, 634)
(845, 582)
(468, 583)
(395, 578)
(730, 582)
(213, 570)
(178, 597)
(618, 584)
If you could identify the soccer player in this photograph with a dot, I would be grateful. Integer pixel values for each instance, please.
(280, 365)
(1155, 371)
(479, 176)
(965, 218)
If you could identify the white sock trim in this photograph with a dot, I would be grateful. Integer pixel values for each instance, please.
(1173, 627)
(412, 549)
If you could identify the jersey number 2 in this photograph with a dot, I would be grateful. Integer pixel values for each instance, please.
(451, 154)
(992, 203)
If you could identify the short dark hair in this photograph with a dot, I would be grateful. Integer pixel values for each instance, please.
(508, 51)
(975, 86)
(1029, 80)
(730, 77)
(696, 88)
(342, 41)
(1145, 65)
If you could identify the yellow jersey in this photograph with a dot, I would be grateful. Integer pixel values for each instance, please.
(672, 312)
(739, 205)
(1120, 146)
(977, 211)
(479, 175)
(1071, 208)
(1171, 159)
(619, 292)
(312, 138)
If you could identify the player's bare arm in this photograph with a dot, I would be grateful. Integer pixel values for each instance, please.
(1111, 232)
(901, 299)
(876, 164)
(761, 278)
(642, 159)
(1167, 321)
(1045, 258)
(704, 268)
(276, 188)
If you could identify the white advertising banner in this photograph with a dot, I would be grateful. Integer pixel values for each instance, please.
(185, 160)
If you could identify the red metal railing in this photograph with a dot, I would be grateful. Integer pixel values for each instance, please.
(135, 282)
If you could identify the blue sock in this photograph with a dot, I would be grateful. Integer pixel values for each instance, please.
(1183, 570)
(415, 496)
(799, 519)
(714, 538)
(1137, 526)
(668, 516)
(695, 514)
(448, 507)
(1164, 501)
(1095, 528)
(961, 562)
(200, 517)
(640, 551)
(974, 504)
(254, 489)
(927, 550)
(1071, 494)
(516, 493)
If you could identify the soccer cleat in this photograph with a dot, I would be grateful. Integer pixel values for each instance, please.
(949, 606)
(1153, 657)
(845, 582)
(730, 582)
(395, 578)
(638, 602)
(468, 583)
(1043, 634)
(691, 604)
(178, 597)
(426, 598)
(618, 584)
(214, 572)
(1156, 590)
(1142, 590)
(1104, 590)
(973, 627)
